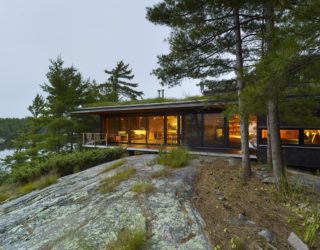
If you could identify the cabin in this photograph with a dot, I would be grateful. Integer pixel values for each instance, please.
(200, 125)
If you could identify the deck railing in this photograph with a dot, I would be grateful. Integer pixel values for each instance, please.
(94, 139)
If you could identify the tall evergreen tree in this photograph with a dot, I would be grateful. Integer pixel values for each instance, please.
(210, 39)
(119, 85)
(288, 67)
(66, 90)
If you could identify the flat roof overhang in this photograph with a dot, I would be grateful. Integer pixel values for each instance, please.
(154, 107)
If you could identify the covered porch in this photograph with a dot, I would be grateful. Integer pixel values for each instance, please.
(99, 140)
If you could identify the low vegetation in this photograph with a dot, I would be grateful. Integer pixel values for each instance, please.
(147, 101)
(178, 157)
(164, 173)
(129, 240)
(62, 164)
(41, 183)
(305, 204)
(114, 165)
(234, 209)
(110, 183)
(43, 172)
(143, 188)
(8, 190)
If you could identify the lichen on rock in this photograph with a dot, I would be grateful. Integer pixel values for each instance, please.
(74, 214)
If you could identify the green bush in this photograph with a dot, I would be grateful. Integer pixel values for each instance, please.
(178, 157)
(63, 164)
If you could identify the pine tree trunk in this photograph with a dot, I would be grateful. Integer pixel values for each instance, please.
(244, 124)
(276, 152)
(272, 106)
(269, 155)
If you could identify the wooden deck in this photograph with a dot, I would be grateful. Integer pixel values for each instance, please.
(217, 152)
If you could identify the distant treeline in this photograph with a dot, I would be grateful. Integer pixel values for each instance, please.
(9, 130)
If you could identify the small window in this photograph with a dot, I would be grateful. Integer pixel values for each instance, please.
(312, 137)
(264, 136)
(288, 136)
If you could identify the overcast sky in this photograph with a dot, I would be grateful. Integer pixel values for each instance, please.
(91, 35)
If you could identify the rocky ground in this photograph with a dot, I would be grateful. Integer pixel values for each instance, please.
(250, 214)
(74, 214)
(204, 205)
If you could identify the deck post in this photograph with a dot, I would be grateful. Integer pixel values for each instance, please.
(82, 139)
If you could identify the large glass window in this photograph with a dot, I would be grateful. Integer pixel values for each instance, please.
(123, 130)
(288, 136)
(235, 134)
(192, 128)
(213, 129)
(172, 129)
(156, 129)
(112, 129)
(138, 129)
(312, 136)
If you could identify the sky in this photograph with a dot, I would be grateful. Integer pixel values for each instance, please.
(90, 35)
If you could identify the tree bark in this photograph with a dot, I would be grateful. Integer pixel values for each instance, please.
(272, 105)
(269, 155)
(276, 152)
(244, 124)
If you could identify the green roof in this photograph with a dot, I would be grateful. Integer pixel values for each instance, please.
(146, 101)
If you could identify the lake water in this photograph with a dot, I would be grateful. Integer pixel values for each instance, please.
(3, 154)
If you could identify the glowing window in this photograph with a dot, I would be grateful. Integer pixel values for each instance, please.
(235, 135)
(312, 136)
(156, 130)
(288, 136)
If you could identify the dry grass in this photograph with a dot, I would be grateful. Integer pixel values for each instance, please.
(7, 191)
(114, 165)
(14, 190)
(143, 188)
(176, 158)
(129, 240)
(110, 183)
(164, 173)
(41, 183)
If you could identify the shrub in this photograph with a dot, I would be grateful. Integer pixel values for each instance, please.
(129, 240)
(63, 164)
(311, 228)
(5, 192)
(178, 157)
(110, 183)
(237, 243)
(161, 173)
(143, 187)
(43, 182)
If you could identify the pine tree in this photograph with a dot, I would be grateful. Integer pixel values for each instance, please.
(210, 39)
(287, 67)
(38, 106)
(66, 90)
(118, 85)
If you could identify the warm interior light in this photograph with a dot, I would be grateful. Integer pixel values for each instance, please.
(139, 132)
